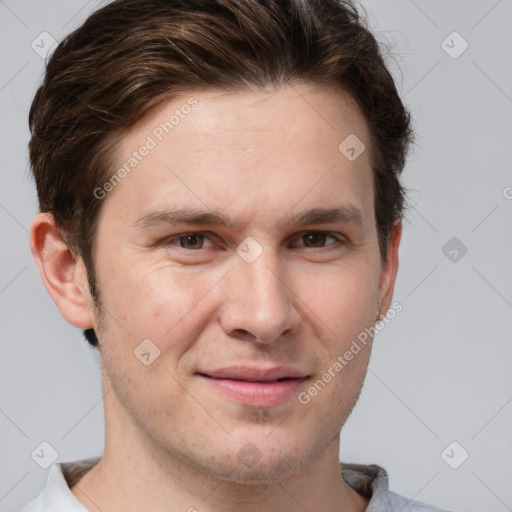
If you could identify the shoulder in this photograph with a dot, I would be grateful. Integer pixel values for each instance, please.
(403, 504)
(371, 481)
(56, 495)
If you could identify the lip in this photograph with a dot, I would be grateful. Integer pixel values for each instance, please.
(257, 387)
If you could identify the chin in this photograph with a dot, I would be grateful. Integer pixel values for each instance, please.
(252, 465)
(264, 472)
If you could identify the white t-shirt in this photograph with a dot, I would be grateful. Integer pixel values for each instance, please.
(370, 481)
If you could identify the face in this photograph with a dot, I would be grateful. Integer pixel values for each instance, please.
(242, 247)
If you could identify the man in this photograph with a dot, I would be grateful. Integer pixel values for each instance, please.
(221, 214)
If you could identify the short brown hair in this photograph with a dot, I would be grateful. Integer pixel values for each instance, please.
(130, 54)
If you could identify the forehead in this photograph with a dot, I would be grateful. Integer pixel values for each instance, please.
(239, 116)
(247, 148)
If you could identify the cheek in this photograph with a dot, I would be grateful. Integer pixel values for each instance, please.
(157, 302)
(344, 299)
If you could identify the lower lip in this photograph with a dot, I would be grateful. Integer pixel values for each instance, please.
(257, 394)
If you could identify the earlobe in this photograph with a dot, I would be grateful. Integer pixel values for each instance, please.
(62, 272)
(389, 269)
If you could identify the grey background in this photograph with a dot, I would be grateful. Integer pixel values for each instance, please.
(440, 371)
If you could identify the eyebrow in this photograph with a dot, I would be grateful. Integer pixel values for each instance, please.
(347, 214)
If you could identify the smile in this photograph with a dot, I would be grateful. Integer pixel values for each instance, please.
(256, 387)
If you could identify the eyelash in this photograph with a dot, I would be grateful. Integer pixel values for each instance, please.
(338, 240)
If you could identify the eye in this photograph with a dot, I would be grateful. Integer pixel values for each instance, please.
(189, 241)
(317, 239)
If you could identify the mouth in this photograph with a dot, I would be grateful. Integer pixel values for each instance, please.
(256, 387)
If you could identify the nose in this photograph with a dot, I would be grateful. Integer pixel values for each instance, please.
(259, 306)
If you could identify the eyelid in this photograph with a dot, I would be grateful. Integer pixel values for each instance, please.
(339, 239)
(175, 238)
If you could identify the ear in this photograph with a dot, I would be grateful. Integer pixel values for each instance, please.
(389, 269)
(62, 272)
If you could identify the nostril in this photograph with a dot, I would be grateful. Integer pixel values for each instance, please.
(242, 334)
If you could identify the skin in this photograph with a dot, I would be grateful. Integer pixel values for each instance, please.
(171, 439)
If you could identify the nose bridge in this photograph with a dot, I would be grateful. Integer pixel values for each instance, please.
(266, 278)
(259, 302)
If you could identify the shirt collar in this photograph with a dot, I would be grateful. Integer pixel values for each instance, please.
(371, 481)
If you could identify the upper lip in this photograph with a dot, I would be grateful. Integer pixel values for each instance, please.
(253, 374)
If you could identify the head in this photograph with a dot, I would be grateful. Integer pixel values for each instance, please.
(237, 110)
